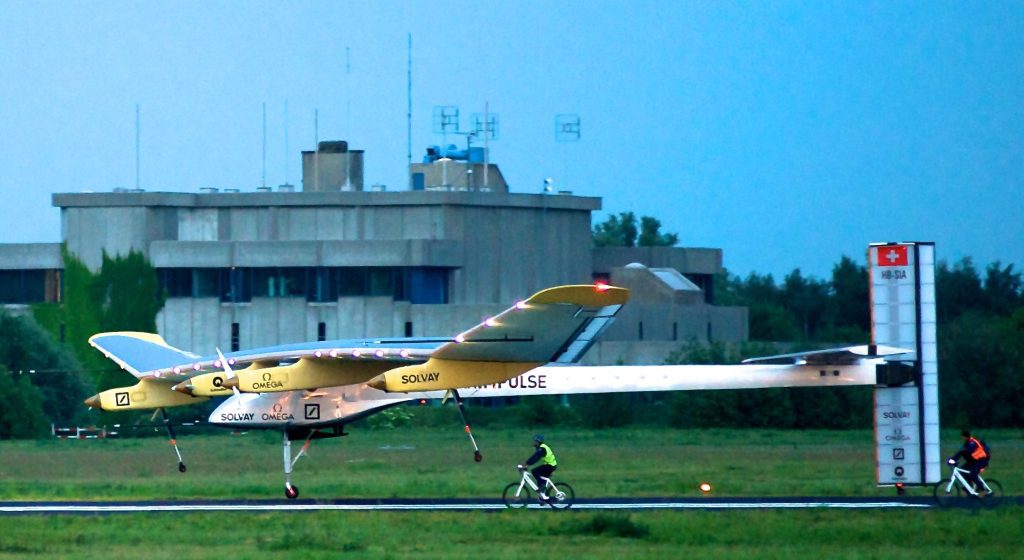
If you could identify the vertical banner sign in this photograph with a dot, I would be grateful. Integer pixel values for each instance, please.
(903, 315)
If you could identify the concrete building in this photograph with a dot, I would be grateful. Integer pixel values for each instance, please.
(248, 269)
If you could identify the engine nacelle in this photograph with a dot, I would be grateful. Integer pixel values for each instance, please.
(439, 374)
(146, 394)
(306, 374)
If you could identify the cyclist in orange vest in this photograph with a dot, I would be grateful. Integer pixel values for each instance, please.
(975, 458)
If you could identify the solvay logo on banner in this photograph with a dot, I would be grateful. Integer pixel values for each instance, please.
(902, 284)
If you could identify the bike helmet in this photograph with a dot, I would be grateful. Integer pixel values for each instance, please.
(538, 438)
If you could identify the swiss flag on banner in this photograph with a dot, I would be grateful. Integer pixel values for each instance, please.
(892, 255)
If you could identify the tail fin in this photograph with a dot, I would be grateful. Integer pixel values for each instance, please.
(138, 352)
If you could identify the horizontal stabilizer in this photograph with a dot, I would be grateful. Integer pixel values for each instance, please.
(139, 352)
(832, 356)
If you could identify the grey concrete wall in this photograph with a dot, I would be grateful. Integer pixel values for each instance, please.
(728, 324)
(202, 325)
(223, 254)
(512, 253)
(30, 256)
(118, 230)
(688, 260)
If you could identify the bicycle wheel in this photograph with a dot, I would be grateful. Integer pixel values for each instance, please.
(564, 498)
(993, 498)
(944, 498)
(516, 501)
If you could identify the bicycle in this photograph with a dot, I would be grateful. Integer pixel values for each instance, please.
(518, 494)
(946, 493)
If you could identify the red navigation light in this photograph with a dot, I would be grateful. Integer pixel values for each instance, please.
(601, 286)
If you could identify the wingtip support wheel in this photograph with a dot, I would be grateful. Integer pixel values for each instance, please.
(291, 492)
(181, 467)
(477, 456)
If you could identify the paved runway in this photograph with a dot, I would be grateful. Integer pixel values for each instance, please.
(94, 508)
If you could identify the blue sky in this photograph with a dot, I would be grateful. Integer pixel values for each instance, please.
(786, 133)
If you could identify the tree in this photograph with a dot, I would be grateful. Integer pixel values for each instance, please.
(616, 231)
(21, 410)
(957, 289)
(128, 294)
(806, 299)
(1002, 290)
(621, 231)
(31, 354)
(849, 313)
(651, 236)
(123, 296)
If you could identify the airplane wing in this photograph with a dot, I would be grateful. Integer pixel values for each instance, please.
(558, 324)
(555, 325)
(832, 356)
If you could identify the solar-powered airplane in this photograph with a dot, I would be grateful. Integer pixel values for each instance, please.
(311, 390)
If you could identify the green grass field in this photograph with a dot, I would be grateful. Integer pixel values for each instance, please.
(428, 462)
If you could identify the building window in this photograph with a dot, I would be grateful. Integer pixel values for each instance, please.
(235, 336)
(408, 328)
(321, 331)
(427, 285)
(235, 285)
(27, 286)
(640, 331)
(675, 331)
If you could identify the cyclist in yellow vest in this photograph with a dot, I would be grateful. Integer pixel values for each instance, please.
(975, 458)
(547, 464)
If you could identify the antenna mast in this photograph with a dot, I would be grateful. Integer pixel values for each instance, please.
(287, 172)
(264, 175)
(137, 148)
(408, 117)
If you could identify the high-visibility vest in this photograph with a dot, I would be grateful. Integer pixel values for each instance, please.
(549, 456)
(979, 451)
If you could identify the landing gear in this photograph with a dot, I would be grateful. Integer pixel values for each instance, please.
(174, 440)
(477, 456)
(291, 491)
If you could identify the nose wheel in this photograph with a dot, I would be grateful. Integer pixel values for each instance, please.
(290, 490)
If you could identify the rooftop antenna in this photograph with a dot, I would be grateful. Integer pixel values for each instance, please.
(486, 126)
(287, 172)
(348, 115)
(567, 130)
(446, 121)
(408, 115)
(264, 176)
(316, 153)
(137, 146)
(348, 95)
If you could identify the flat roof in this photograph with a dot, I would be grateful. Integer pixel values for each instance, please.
(322, 199)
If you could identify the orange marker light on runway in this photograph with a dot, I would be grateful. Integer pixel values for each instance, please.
(705, 487)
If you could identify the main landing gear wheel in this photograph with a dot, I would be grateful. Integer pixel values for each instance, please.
(291, 492)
